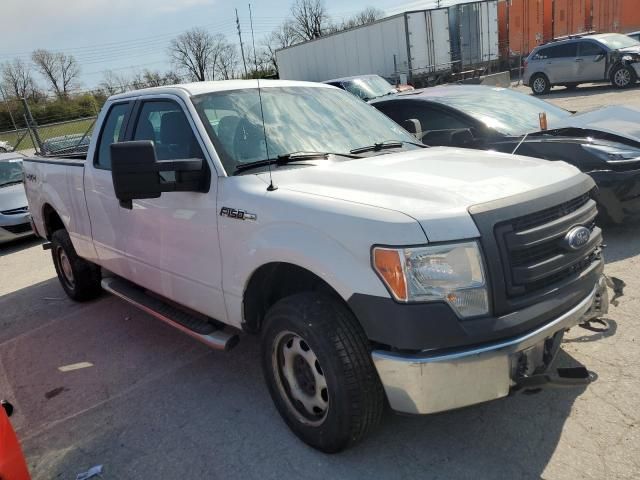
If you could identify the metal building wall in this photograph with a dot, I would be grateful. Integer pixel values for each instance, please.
(570, 16)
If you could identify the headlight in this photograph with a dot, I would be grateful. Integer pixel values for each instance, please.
(616, 155)
(452, 273)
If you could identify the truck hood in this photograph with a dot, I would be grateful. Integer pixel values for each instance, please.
(616, 120)
(435, 186)
(12, 197)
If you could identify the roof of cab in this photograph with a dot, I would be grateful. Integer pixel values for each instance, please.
(198, 88)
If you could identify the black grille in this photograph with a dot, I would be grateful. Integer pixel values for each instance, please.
(550, 214)
(15, 211)
(17, 229)
(533, 249)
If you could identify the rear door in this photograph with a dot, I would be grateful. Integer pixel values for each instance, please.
(560, 62)
(172, 241)
(591, 61)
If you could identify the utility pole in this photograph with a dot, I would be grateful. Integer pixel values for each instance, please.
(246, 74)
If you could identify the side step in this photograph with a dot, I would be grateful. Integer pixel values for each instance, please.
(206, 331)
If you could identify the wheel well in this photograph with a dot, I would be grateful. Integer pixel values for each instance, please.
(52, 220)
(273, 282)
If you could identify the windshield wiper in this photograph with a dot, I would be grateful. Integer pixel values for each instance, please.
(387, 144)
(15, 182)
(286, 158)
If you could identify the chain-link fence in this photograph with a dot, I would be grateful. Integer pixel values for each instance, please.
(48, 136)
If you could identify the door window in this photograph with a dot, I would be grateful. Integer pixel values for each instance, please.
(590, 49)
(166, 125)
(112, 132)
(429, 118)
(565, 50)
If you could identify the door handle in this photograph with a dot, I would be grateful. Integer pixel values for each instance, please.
(579, 59)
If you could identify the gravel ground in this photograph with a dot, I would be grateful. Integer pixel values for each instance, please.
(156, 404)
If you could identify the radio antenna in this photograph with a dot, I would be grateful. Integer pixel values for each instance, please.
(271, 186)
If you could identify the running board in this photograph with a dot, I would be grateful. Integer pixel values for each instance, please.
(206, 331)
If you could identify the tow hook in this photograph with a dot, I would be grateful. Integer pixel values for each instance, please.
(562, 378)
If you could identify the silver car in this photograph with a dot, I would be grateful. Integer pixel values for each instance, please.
(611, 57)
(15, 221)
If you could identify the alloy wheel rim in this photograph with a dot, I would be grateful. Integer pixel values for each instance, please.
(623, 77)
(539, 85)
(300, 378)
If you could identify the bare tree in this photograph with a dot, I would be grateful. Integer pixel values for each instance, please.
(284, 36)
(364, 17)
(194, 52)
(113, 83)
(227, 61)
(59, 69)
(17, 79)
(310, 18)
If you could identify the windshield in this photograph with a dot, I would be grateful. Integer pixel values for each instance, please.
(10, 171)
(616, 41)
(368, 88)
(503, 110)
(296, 119)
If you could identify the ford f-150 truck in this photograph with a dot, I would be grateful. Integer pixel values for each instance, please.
(374, 268)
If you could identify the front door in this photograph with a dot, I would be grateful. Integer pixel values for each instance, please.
(591, 61)
(172, 241)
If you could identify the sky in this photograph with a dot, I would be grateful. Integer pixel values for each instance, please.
(126, 36)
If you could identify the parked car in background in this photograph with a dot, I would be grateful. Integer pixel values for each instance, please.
(604, 143)
(5, 147)
(634, 35)
(570, 61)
(14, 213)
(366, 87)
(77, 143)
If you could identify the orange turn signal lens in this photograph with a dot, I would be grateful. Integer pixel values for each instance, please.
(388, 265)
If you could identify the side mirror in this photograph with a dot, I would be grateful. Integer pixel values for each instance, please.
(135, 172)
(413, 126)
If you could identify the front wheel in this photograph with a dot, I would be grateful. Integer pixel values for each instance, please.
(317, 365)
(79, 278)
(623, 76)
(540, 84)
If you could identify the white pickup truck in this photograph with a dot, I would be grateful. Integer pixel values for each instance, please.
(375, 269)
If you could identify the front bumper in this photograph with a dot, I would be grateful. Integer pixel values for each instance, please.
(437, 381)
(13, 227)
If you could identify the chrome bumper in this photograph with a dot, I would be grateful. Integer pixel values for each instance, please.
(430, 383)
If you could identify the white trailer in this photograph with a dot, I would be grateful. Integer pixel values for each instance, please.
(409, 43)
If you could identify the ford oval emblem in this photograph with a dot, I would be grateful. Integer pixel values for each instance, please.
(577, 237)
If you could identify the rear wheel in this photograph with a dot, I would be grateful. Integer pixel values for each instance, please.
(623, 76)
(79, 278)
(540, 84)
(318, 368)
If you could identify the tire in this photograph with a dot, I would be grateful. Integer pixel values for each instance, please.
(79, 278)
(623, 76)
(539, 84)
(342, 383)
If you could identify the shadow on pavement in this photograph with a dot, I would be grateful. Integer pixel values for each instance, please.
(583, 91)
(158, 405)
(18, 245)
(622, 242)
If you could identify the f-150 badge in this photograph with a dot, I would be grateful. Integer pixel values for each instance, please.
(237, 214)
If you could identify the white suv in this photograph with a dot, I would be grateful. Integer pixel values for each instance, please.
(582, 59)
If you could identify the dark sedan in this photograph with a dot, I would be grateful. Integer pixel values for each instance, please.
(603, 143)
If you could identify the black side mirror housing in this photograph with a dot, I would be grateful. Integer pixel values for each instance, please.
(135, 172)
